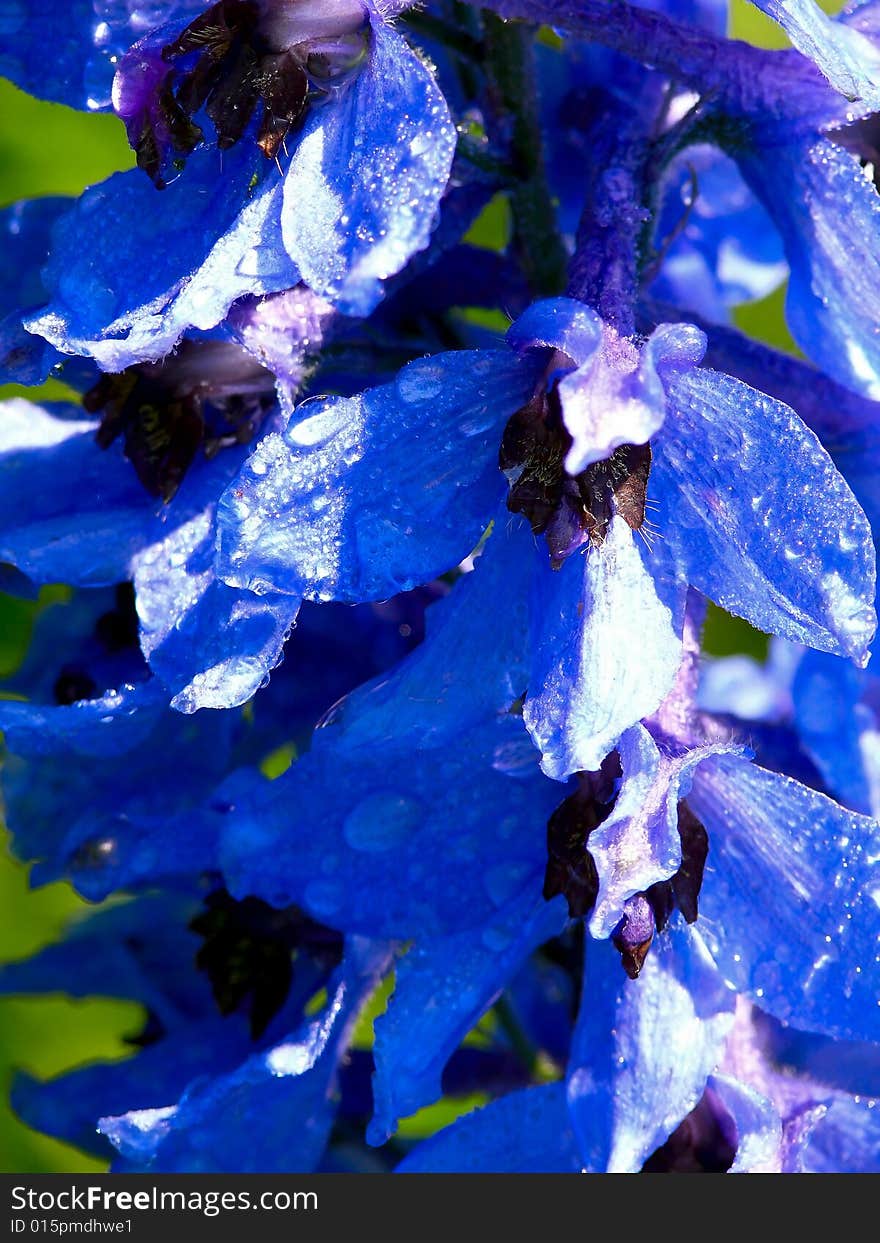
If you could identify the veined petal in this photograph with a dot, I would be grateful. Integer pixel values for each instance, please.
(362, 497)
(525, 1132)
(755, 512)
(849, 60)
(643, 1049)
(442, 988)
(787, 906)
(558, 324)
(364, 184)
(605, 653)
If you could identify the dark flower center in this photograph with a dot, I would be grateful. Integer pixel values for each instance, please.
(234, 59)
(249, 953)
(115, 631)
(568, 509)
(209, 394)
(703, 1143)
(571, 870)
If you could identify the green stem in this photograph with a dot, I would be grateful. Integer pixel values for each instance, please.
(514, 103)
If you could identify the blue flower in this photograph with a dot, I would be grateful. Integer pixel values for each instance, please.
(130, 272)
(722, 503)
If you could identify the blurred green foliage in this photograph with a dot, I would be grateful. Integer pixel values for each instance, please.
(48, 149)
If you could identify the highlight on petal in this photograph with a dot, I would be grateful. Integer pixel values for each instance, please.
(605, 653)
(753, 509)
(643, 1049)
(758, 1127)
(365, 496)
(364, 184)
(849, 60)
(558, 324)
(213, 646)
(788, 906)
(638, 844)
(126, 291)
(828, 214)
(617, 398)
(240, 1122)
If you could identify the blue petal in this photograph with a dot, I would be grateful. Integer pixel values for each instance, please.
(527, 1132)
(755, 512)
(141, 950)
(845, 1141)
(25, 227)
(213, 646)
(638, 844)
(828, 214)
(558, 324)
(68, 511)
(465, 672)
(845, 422)
(618, 397)
(442, 988)
(835, 729)
(787, 905)
(81, 792)
(66, 50)
(273, 1113)
(728, 251)
(643, 1049)
(849, 60)
(393, 840)
(590, 618)
(132, 268)
(758, 1127)
(364, 184)
(366, 496)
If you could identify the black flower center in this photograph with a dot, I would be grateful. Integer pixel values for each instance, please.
(209, 395)
(568, 509)
(571, 870)
(229, 63)
(249, 953)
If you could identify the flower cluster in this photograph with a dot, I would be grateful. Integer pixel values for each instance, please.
(378, 681)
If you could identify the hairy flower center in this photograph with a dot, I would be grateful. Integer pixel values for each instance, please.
(568, 510)
(249, 953)
(209, 394)
(571, 870)
(241, 55)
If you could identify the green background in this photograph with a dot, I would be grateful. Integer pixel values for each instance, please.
(47, 149)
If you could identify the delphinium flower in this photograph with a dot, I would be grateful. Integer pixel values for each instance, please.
(360, 132)
(534, 783)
